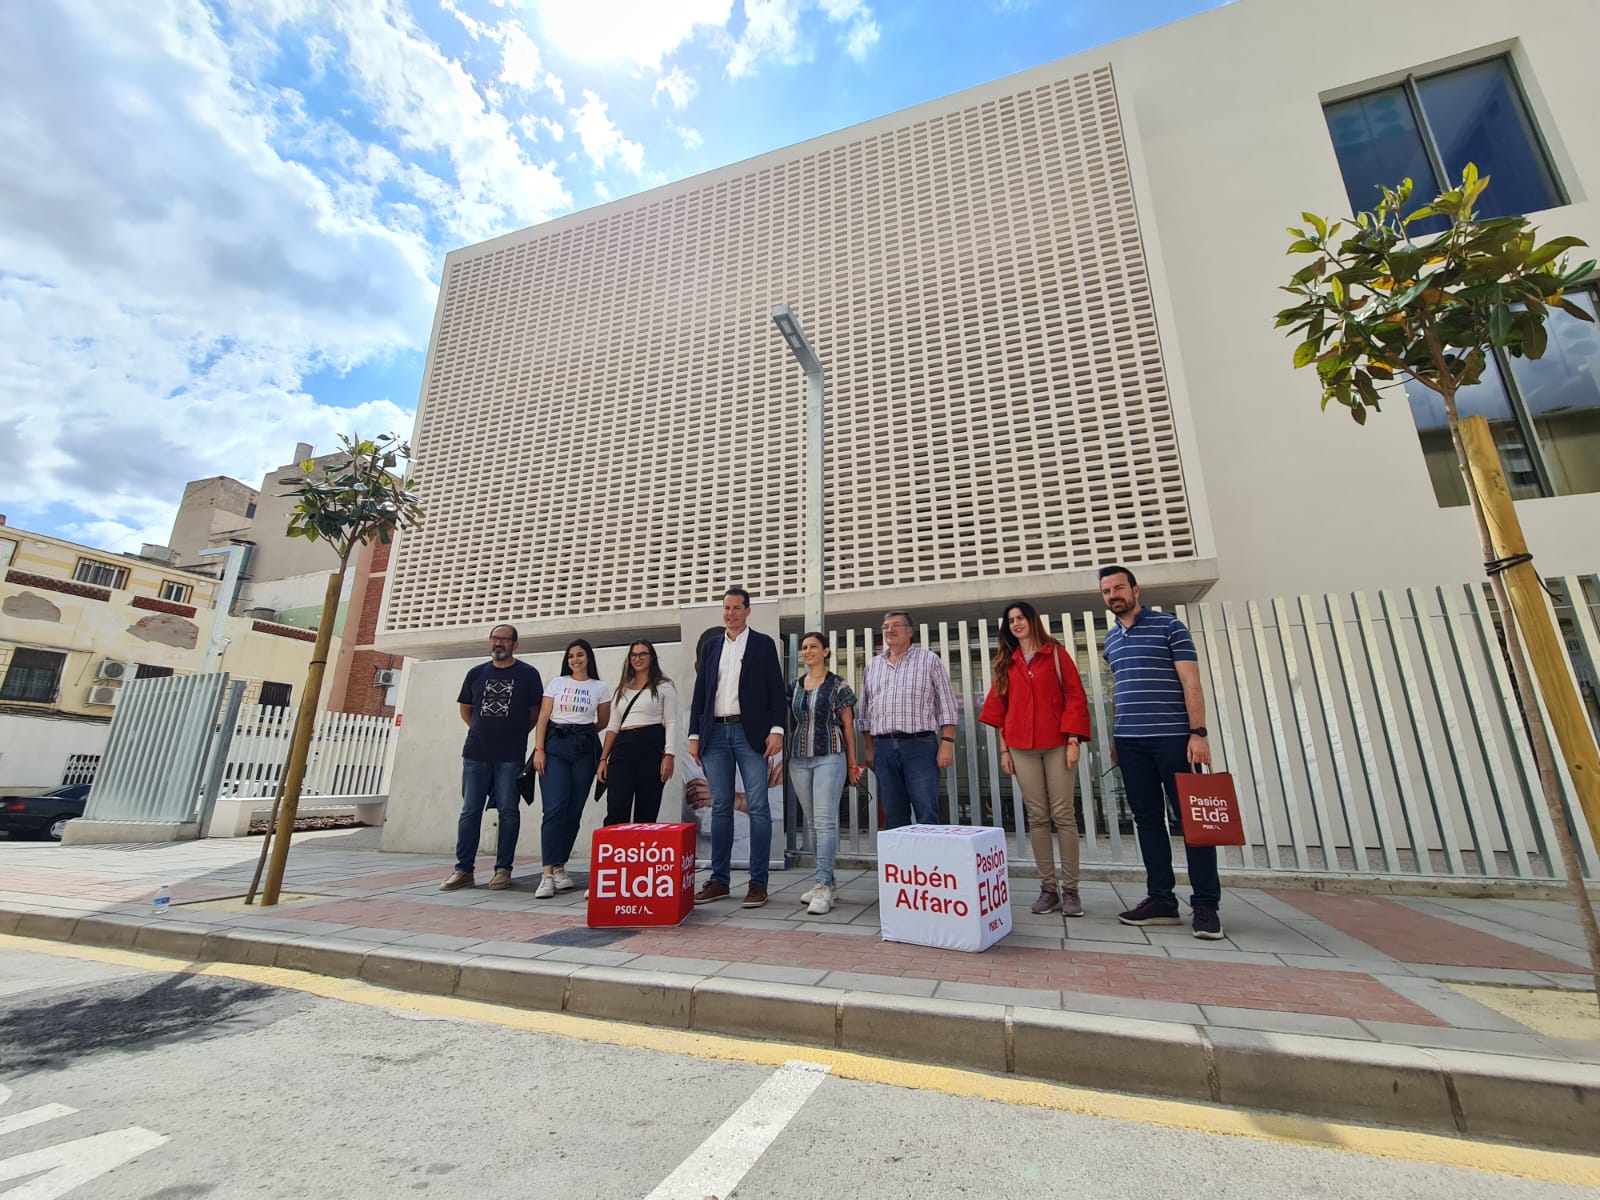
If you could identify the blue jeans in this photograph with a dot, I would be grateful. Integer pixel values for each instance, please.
(722, 748)
(908, 779)
(1148, 765)
(483, 782)
(818, 782)
(569, 767)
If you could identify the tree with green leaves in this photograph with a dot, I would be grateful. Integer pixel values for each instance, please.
(360, 497)
(1378, 305)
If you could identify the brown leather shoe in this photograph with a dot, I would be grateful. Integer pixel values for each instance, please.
(756, 896)
(711, 890)
(500, 882)
(1071, 906)
(457, 881)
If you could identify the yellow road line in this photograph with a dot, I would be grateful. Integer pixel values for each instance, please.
(1550, 1166)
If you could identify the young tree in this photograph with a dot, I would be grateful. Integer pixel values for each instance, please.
(347, 503)
(1376, 305)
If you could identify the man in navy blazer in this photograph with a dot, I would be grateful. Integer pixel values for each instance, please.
(736, 720)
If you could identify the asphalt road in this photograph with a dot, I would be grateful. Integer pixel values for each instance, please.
(188, 1085)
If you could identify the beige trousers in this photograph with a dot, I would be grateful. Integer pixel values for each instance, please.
(1047, 797)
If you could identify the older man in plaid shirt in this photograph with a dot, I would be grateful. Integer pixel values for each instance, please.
(908, 721)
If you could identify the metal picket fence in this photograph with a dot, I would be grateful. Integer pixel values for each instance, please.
(179, 743)
(1370, 734)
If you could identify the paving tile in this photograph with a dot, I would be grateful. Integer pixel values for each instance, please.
(1128, 1006)
(1487, 1041)
(1284, 1022)
(1509, 978)
(1095, 928)
(506, 950)
(434, 941)
(1399, 929)
(1200, 950)
(1365, 966)
(764, 973)
(889, 984)
(593, 958)
(1450, 1006)
(988, 994)
(668, 962)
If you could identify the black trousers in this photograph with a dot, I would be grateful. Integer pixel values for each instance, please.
(633, 775)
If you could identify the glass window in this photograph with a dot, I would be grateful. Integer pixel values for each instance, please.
(1378, 144)
(32, 676)
(8, 551)
(1476, 115)
(1562, 394)
(100, 574)
(275, 695)
(1440, 123)
(1545, 418)
(178, 593)
(146, 671)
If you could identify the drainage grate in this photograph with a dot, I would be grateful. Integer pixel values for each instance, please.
(588, 938)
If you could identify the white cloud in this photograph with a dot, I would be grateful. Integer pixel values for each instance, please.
(603, 141)
(678, 87)
(690, 137)
(773, 31)
(162, 310)
(520, 58)
(640, 31)
(553, 127)
(556, 88)
(861, 38)
(601, 191)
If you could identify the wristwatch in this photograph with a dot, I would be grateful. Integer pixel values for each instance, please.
(1198, 731)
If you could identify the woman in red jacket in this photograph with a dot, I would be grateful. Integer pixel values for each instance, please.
(1039, 706)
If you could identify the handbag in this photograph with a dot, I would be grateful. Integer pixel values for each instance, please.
(600, 785)
(1210, 809)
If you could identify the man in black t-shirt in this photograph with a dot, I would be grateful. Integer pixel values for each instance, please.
(500, 704)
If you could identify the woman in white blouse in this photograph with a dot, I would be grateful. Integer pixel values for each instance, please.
(635, 762)
(566, 752)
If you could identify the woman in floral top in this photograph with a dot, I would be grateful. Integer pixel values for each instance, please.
(821, 756)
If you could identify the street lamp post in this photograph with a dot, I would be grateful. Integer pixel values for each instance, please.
(816, 504)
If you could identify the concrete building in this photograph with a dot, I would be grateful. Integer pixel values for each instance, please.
(285, 579)
(77, 623)
(1045, 306)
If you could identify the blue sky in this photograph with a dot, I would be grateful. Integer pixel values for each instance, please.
(224, 221)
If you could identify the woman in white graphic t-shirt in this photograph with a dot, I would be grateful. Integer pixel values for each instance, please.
(566, 754)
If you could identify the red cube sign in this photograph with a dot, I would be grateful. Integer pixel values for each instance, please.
(641, 875)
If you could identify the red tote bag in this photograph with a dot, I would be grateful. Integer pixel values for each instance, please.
(1210, 810)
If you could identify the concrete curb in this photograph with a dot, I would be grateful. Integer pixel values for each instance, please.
(1535, 1102)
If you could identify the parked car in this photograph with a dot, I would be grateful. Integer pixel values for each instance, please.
(44, 815)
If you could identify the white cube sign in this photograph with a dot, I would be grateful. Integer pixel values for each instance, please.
(943, 885)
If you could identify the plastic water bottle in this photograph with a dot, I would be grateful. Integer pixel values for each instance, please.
(160, 906)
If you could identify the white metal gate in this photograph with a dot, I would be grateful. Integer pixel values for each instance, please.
(1372, 734)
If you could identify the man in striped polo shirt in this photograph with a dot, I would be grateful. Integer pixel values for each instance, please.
(1158, 731)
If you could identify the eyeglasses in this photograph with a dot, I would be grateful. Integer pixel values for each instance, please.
(638, 654)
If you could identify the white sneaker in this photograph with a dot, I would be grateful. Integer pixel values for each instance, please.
(821, 899)
(563, 880)
(546, 888)
(805, 896)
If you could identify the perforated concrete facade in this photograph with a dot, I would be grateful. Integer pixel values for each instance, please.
(611, 425)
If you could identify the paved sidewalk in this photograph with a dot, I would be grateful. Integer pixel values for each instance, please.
(1319, 1003)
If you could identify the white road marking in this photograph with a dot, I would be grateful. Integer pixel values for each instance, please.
(72, 1164)
(725, 1157)
(34, 1116)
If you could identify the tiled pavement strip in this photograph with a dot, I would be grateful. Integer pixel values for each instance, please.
(1359, 969)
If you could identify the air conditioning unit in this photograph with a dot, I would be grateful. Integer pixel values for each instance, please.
(105, 695)
(386, 677)
(113, 668)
